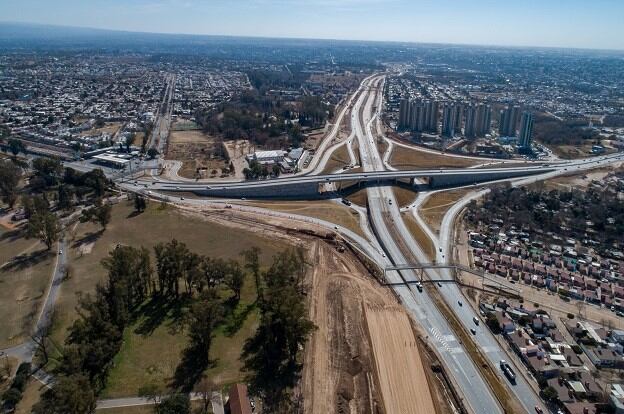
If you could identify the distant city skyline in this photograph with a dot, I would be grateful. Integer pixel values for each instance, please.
(545, 23)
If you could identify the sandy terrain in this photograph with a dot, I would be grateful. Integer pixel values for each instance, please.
(346, 367)
(400, 370)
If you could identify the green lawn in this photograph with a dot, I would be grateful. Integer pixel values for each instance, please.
(153, 343)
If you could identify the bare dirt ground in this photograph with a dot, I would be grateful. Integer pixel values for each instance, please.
(344, 362)
(198, 152)
(400, 370)
(421, 237)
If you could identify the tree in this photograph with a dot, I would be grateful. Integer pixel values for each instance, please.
(271, 356)
(65, 195)
(549, 393)
(175, 261)
(10, 175)
(174, 404)
(16, 146)
(128, 141)
(140, 203)
(205, 315)
(276, 170)
(152, 153)
(234, 278)
(50, 169)
(252, 264)
(103, 215)
(70, 394)
(45, 227)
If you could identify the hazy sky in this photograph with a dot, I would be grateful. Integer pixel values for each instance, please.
(566, 23)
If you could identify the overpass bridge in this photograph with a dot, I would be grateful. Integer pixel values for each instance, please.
(455, 270)
(314, 185)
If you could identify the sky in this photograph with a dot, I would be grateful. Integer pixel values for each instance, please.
(597, 24)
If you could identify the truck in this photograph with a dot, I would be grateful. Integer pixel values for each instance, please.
(511, 376)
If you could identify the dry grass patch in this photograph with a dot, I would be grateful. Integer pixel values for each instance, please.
(324, 210)
(197, 151)
(339, 159)
(419, 235)
(31, 396)
(436, 206)
(411, 159)
(24, 278)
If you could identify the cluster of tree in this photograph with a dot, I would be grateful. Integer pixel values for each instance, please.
(10, 174)
(570, 132)
(100, 213)
(12, 396)
(96, 336)
(176, 263)
(14, 146)
(42, 223)
(266, 119)
(271, 356)
(256, 170)
(597, 212)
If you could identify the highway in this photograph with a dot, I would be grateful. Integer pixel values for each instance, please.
(383, 209)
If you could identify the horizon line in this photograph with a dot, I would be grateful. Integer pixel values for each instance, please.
(409, 42)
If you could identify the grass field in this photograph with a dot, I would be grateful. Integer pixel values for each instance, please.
(339, 158)
(152, 357)
(324, 210)
(24, 277)
(419, 235)
(436, 206)
(403, 196)
(407, 159)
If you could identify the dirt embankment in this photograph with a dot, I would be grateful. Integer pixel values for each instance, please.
(363, 358)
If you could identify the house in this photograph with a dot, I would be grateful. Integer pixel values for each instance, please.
(238, 401)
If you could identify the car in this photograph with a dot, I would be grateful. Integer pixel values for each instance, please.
(383, 255)
(620, 314)
(60, 251)
(439, 284)
(473, 331)
(538, 410)
(475, 320)
(182, 198)
(335, 227)
(459, 302)
(177, 187)
(612, 308)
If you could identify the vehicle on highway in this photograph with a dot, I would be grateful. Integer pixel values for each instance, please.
(476, 320)
(459, 302)
(182, 198)
(60, 251)
(419, 286)
(538, 410)
(473, 331)
(511, 376)
(346, 202)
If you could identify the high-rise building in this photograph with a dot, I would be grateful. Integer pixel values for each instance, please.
(458, 116)
(433, 117)
(483, 122)
(449, 117)
(526, 131)
(470, 127)
(404, 114)
(508, 121)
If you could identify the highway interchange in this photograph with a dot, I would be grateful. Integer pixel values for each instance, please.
(394, 244)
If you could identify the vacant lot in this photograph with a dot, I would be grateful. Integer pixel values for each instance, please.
(324, 210)
(24, 277)
(409, 159)
(436, 206)
(199, 153)
(338, 160)
(400, 370)
(110, 128)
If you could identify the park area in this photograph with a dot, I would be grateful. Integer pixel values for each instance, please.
(25, 270)
(155, 338)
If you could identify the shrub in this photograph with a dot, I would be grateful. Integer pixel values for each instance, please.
(570, 316)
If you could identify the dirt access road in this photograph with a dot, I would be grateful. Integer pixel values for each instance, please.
(364, 356)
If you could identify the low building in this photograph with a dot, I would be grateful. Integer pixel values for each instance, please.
(267, 157)
(238, 400)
